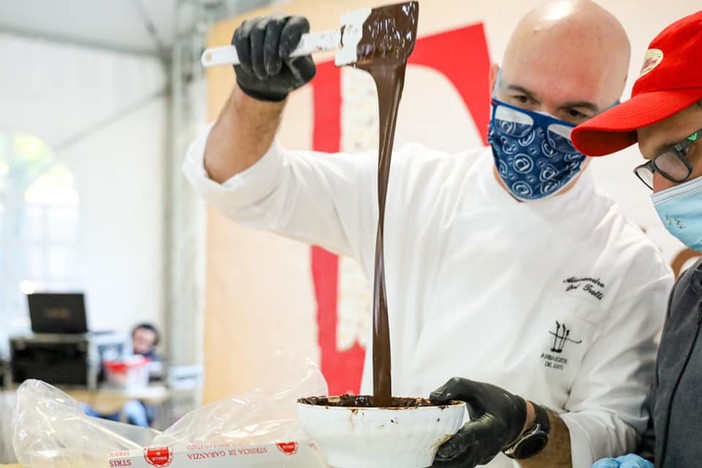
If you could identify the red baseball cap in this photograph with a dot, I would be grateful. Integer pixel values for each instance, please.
(670, 81)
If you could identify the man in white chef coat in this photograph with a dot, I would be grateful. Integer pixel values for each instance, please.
(504, 264)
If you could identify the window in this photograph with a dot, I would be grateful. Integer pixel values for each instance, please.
(39, 208)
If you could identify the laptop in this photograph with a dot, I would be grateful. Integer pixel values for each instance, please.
(57, 313)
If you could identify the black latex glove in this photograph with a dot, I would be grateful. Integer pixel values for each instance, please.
(496, 420)
(266, 71)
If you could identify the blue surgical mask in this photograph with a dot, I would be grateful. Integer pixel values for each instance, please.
(533, 152)
(680, 209)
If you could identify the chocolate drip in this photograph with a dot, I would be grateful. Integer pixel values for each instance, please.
(388, 38)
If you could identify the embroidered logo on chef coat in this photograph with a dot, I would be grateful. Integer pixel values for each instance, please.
(593, 286)
(561, 337)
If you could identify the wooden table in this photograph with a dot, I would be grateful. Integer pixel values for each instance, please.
(109, 400)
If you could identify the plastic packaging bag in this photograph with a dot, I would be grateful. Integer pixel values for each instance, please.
(51, 430)
(266, 414)
(7, 404)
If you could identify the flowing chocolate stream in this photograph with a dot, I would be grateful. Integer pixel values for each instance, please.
(389, 35)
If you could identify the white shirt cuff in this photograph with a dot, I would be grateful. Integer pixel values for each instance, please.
(242, 189)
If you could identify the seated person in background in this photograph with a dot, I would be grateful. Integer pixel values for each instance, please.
(145, 338)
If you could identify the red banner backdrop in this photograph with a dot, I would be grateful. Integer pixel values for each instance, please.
(461, 55)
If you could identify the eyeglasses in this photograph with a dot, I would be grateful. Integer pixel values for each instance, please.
(671, 164)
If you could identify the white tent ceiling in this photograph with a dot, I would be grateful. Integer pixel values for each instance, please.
(137, 26)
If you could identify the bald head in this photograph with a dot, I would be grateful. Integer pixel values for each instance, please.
(568, 51)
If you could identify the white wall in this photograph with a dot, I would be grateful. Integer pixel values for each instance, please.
(60, 92)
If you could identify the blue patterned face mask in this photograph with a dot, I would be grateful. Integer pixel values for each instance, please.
(533, 152)
(680, 209)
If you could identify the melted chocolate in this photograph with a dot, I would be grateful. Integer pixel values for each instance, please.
(388, 39)
(365, 401)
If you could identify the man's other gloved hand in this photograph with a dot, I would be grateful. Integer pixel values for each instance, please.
(627, 461)
(264, 45)
(496, 420)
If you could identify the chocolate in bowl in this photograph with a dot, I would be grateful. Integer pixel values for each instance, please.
(354, 433)
(366, 401)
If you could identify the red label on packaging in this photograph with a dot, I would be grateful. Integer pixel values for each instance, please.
(288, 448)
(161, 456)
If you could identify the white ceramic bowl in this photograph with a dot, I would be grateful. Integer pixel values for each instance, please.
(367, 437)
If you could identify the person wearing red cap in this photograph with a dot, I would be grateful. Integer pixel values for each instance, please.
(664, 115)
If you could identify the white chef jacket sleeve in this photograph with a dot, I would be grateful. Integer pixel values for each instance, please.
(313, 197)
(605, 412)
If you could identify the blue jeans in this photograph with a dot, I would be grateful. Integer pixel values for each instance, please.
(133, 412)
